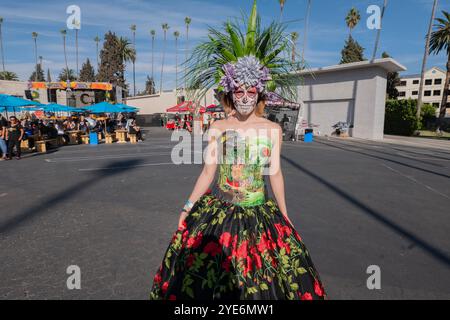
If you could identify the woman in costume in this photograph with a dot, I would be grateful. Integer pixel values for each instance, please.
(233, 241)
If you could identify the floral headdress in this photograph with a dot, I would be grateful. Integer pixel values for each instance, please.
(253, 57)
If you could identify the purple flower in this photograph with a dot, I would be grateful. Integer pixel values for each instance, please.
(246, 71)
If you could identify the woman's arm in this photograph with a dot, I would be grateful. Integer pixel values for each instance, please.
(276, 174)
(206, 177)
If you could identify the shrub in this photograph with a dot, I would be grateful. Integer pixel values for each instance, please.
(400, 117)
(428, 116)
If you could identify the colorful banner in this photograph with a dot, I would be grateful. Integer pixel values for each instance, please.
(73, 85)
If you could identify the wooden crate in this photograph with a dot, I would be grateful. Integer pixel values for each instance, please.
(133, 138)
(85, 139)
(110, 138)
(41, 146)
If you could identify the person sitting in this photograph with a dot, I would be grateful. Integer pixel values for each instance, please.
(135, 129)
(60, 129)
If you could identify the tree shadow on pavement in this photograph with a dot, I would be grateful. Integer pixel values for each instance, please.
(114, 168)
(434, 252)
(339, 146)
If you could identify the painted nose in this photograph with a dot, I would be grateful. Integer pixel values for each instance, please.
(244, 100)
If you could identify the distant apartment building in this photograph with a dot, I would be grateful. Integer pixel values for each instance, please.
(433, 88)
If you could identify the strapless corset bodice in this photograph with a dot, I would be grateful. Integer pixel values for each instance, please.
(242, 162)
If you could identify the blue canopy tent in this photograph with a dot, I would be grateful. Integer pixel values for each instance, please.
(127, 108)
(103, 107)
(12, 104)
(54, 107)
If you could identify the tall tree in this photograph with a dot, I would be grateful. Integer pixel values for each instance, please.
(76, 50)
(67, 74)
(153, 34)
(112, 66)
(64, 35)
(281, 2)
(352, 19)
(34, 35)
(424, 60)
(126, 50)
(1, 44)
(165, 28)
(176, 34)
(8, 75)
(440, 40)
(49, 77)
(87, 73)
(377, 41)
(133, 31)
(97, 41)
(305, 36)
(393, 80)
(294, 38)
(187, 22)
(38, 74)
(352, 51)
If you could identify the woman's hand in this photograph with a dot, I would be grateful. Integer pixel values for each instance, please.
(183, 216)
(289, 220)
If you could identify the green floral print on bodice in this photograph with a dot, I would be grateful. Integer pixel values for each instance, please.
(242, 161)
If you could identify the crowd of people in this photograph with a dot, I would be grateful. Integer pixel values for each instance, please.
(185, 122)
(15, 130)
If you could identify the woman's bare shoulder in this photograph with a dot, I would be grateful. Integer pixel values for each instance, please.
(267, 124)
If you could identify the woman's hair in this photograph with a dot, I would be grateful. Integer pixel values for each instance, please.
(228, 105)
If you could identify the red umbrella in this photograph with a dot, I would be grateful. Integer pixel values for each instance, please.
(186, 106)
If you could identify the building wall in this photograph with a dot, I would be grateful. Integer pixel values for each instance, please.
(17, 89)
(356, 96)
(151, 104)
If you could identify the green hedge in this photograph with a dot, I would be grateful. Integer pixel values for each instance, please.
(428, 117)
(400, 117)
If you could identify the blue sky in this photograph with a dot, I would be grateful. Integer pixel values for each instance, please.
(403, 33)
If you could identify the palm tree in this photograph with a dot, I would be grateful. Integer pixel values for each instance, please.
(282, 2)
(153, 34)
(352, 19)
(165, 27)
(424, 60)
(34, 36)
(8, 75)
(76, 50)
(377, 41)
(126, 50)
(440, 40)
(176, 34)
(294, 38)
(97, 41)
(133, 30)
(67, 75)
(305, 36)
(64, 34)
(1, 44)
(187, 22)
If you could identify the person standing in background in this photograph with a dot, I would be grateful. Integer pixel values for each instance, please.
(3, 147)
(14, 135)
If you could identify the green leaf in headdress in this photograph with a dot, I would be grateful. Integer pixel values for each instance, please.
(251, 31)
(238, 50)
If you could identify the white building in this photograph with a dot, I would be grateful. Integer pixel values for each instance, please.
(433, 88)
(353, 92)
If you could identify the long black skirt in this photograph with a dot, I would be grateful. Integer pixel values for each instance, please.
(228, 252)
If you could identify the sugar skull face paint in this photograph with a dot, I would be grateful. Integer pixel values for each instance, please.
(245, 100)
